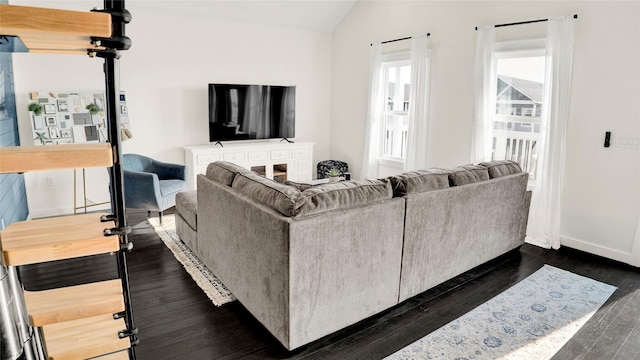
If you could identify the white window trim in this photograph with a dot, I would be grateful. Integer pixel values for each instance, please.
(390, 60)
(521, 49)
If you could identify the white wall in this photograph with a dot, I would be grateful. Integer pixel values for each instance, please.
(602, 192)
(165, 75)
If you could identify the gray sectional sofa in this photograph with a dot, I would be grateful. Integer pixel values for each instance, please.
(307, 261)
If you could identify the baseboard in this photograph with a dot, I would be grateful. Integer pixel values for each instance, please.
(63, 211)
(599, 250)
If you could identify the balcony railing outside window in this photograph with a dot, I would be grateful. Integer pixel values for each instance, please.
(517, 138)
(395, 125)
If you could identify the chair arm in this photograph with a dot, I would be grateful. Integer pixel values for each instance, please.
(142, 190)
(167, 171)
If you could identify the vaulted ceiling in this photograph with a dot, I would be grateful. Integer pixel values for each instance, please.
(323, 15)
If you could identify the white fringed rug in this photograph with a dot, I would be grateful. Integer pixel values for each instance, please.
(531, 320)
(205, 279)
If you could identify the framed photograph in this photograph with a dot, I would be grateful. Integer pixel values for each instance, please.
(63, 141)
(38, 123)
(98, 101)
(53, 133)
(63, 106)
(51, 120)
(66, 133)
(91, 133)
(49, 109)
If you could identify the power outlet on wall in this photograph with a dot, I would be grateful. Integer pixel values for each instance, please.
(627, 142)
(51, 181)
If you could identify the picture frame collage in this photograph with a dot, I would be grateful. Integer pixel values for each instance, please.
(66, 120)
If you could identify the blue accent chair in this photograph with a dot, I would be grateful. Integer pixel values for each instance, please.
(150, 184)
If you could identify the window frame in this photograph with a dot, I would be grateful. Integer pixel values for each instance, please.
(517, 49)
(389, 60)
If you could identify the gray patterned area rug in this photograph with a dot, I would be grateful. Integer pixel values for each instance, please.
(531, 320)
(205, 279)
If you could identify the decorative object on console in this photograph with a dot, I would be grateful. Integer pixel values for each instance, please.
(326, 165)
(334, 175)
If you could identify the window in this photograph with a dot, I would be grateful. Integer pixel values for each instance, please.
(519, 102)
(396, 72)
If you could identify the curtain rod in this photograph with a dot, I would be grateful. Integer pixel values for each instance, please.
(400, 39)
(575, 16)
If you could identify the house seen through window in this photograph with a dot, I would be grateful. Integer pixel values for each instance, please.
(516, 131)
(397, 87)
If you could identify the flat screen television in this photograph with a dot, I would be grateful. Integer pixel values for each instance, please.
(250, 112)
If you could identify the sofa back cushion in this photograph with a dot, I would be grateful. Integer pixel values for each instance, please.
(342, 195)
(277, 196)
(419, 181)
(297, 185)
(224, 172)
(498, 168)
(290, 201)
(467, 174)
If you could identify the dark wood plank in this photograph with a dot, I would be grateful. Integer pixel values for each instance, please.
(177, 321)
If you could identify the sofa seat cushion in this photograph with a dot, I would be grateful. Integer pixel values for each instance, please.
(467, 174)
(173, 186)
(187, 207)
(224, 172)
(499, 168)
(290, 201)
(419, 181)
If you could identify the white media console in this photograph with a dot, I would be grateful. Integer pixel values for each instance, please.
(274, 160)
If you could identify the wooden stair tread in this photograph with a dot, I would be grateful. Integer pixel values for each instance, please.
(68, 156)
(47, 307)
(57, 238)
(84, 338)
(120, 355)
(54, 30)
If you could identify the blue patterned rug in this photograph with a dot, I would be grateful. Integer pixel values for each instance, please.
(531, 320)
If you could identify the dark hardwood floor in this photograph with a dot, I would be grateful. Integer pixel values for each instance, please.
(177, 321)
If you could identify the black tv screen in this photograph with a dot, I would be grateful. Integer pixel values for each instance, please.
(247, 112)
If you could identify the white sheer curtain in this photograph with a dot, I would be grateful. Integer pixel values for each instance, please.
(485, 88)
(544, 216)
(374, 110)
(416, 157)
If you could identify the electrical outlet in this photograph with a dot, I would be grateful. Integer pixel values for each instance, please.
(2, 224)
(627, 142)
(51, 181)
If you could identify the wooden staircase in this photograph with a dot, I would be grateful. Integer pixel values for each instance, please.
(91, 320)
(76, 322)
